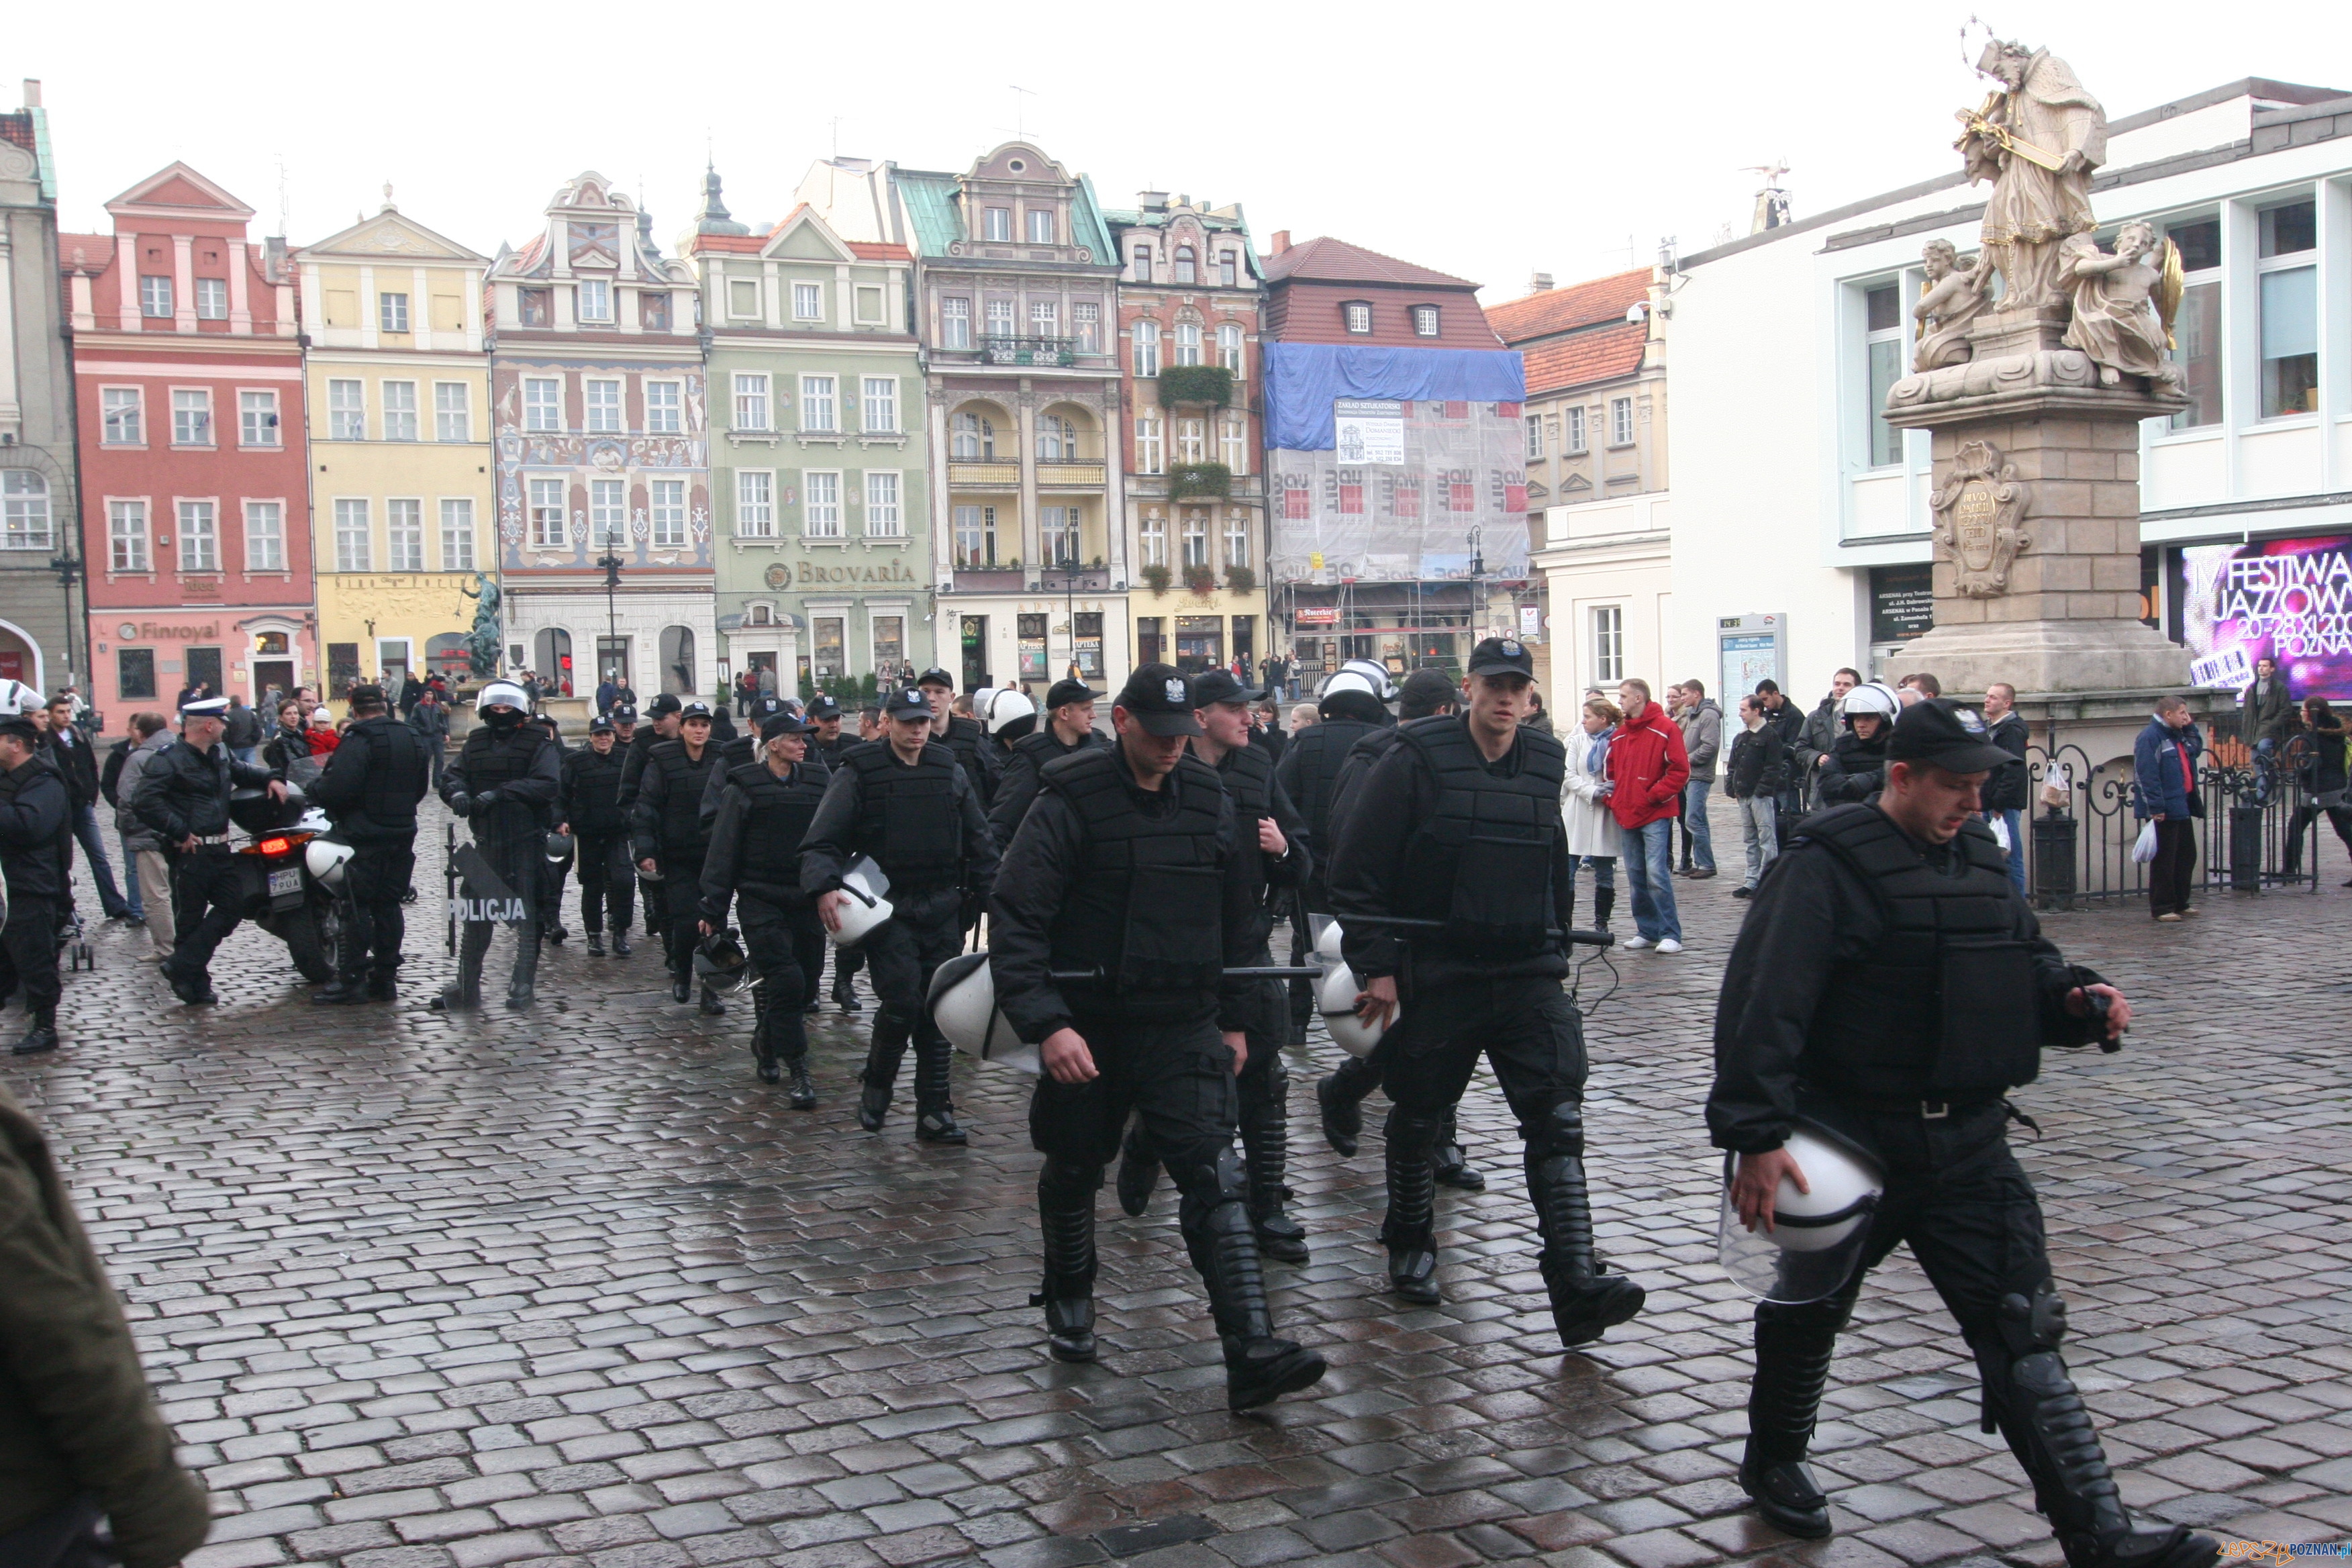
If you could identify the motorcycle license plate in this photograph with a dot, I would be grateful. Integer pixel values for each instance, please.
(287, 882)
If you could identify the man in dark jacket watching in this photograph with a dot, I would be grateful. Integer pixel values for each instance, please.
(430, 720)
(2005, 791)
(78, 766)
(1753, 780)
(34, 811)
(2267, 713)
(371, 787)
(1815, 736)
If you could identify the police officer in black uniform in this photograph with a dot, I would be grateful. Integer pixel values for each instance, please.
(1309, 772)
(1483, 857)
(560, 852)
(1121, 870)
(670, 837)
(960, 734)
(660, 724)
(36, 816)
(736, 750)
(184, 797)
(1265, 821)
(1069, 726)
(764, 812)
(825, 741)
(1340, 1095)
(371, 786)
(588, 808)
(1889, 987)
(909, 804)
(504, 784)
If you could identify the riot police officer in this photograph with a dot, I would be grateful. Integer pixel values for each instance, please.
(184, 797)
(372, 781)
(736, 750)
(1352, 708)
(504, 784)
(826, 741)
(1483, 861)
(36, 816)
(669, 836)
(559, 853)
(660, 724)
(1889, 987)
(1340, 1095)
(960, 734)
(910, 805)
(588, 808)
(1069, 726)
(1119, 871)
(764, 812)
(1263, 821)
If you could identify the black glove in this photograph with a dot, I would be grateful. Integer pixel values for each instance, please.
(484, 801)
(460, 804)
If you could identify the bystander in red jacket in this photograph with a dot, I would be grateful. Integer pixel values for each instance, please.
(1647, 768)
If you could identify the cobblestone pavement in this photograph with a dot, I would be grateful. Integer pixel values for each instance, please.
(575, 1288)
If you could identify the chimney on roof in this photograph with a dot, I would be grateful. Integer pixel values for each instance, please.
(32, 92)
(1539, 282)
(1152, 201)
(1281, 242)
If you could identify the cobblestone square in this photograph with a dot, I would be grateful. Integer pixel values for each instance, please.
(573, 1287)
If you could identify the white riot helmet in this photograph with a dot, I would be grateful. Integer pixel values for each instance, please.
(996, 709)
(1360, 675)
(962, 1001)
(1336, 996)
(1327, 937)
(16, 699)
(1873, 696)
(1817, 1237)
(326, 859)
(502, 691)
(864, 906)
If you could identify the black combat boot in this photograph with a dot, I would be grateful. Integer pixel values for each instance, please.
(1340, 1098)
(595, 944)
(1409, 1230)
(464, 995)
(1586, 1299)
(342, 992)
(382, 983)
(1793, 1346)
(621, 948)
(42, 1037)
(802, 1096)
(1266, 1155)
(763, 1044)
(935, 1120)
(881, 1075)
(711, 1005)
(1452, 1163)
(1138, 1173)
(1604, 900)
(1065, 1224)
(1259, 1367)
(681, 986)
(845, 991)
(525, 970)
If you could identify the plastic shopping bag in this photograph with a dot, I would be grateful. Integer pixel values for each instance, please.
(1999, 826)
(2144, 849)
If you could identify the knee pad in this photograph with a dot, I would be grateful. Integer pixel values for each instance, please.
(1068, 1181)
(1206, 1173)
(2030, 1325)
(1823, 1317)
(1411, 1132)
(1558, 1131)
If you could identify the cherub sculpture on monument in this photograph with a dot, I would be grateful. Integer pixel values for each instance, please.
(2038, 139)
(1954, 298)
(2124, 305)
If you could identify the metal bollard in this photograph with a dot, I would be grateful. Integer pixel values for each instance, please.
(2053, 861)
(2246, 848)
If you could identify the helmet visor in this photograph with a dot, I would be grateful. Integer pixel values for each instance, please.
(1796, 1261)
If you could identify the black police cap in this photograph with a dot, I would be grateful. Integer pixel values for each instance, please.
(1939, 730)
(1161, 700)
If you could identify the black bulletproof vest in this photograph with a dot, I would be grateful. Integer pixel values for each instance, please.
(1946, 1005)
(967, 739)
(1248, 776)
(1366, 753)
(1481, 861)
(1320, 751)
(396, 769)
(1041, 747)
(906, 817)
(594, 790)
(490, 761)
(778, 819)
(1145, 907)
(683, 779)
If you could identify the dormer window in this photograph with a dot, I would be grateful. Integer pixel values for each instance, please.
(1425, 320)
(1041, 226)
(1143, 264)
(1228, 269)
(595, 300)
(996, 223)
(1187, 267)
(652, 310)
(1357, 313)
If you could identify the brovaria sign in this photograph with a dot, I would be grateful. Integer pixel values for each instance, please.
(888, 572)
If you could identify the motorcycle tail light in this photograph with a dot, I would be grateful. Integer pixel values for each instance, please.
(275, 846)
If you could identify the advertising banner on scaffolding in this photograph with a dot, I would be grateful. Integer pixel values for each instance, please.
(2288, 599)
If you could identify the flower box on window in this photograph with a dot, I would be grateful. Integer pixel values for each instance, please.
(1213, 481)
(1209, 383)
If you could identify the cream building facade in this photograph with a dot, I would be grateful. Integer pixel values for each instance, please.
(397, 378)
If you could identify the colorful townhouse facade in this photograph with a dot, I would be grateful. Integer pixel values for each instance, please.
(195, 498)
(42, 640)
(397, 378)
(601, 461)
(821, 538)
(1015, 305)
(1190, 437)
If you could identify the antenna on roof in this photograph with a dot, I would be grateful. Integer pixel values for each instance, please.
(836, 135)
(1020, 121)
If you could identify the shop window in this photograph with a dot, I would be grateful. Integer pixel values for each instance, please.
(134, 673)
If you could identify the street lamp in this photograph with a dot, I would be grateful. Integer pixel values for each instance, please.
(612, 565)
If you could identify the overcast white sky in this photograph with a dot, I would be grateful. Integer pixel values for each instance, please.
(1488, 142)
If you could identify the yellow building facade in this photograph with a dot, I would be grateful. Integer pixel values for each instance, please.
(397, 378)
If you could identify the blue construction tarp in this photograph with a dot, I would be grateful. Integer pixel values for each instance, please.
(1302, 381)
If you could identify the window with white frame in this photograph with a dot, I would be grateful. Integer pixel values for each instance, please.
(404, 534)
(1232, 444)
(1237, 549)
(542, 403)
(1191, 440)
(1057, 532)
(1576, 431)
(212, 298)
(1889, 356)
(883, 519)
(820, 510)
(755, 504)
(1085, 326)
(1425, 320)
(1535, 436)
(347, 410)
(817, 406)
(996, 223)
(878, 416)
(547, 514)
(155, 297)
(1230, 346)
(653, 310)
(1188, 342)
(608, 514)
(1155, 538)
(122, 412)
(1143, 264)
(392, 312)
(975, 536)
(1045, 318)
(869, 305)
(600, 401)
(25, 520)
(256, 417)
(1187, 267)
(808, 301)
(354, 551)
(2287, 247)
(751, 401)
(596, 299)
(192, 417)
(1358, 315)
(668, 497)
(457, 534)
(453, 411)
(1150, 443)
(1057, 440)
(665, 407)
(972, 438)
(1145, 336)
(199, 536)
(126, 536)
(743, 297)
(400, 411)
(1228, 269)
(2197, 330)
(1620, 421)
(955, 323)
(1196, 537)
(1041, 226)
(1003, 319)
(1608, 644)
(265, 536)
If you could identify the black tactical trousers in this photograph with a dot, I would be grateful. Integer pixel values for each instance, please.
(207, 903)
(681, 891)
(607, 882)
(550, 893)
(29, 955)
(924, 931)
(784, 942)
(374, 879)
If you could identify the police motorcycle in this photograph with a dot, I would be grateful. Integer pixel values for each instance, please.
(290, 865)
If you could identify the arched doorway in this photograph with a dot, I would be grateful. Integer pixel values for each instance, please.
(677, 660)
(552, 656)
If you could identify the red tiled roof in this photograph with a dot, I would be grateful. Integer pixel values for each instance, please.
(97, 250)
(1599, 354)
(866, 250)
(1328, 261)
(18, 128)
(748, 243)
(1563, 309)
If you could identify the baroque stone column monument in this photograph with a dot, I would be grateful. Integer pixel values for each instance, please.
(2033, 393)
